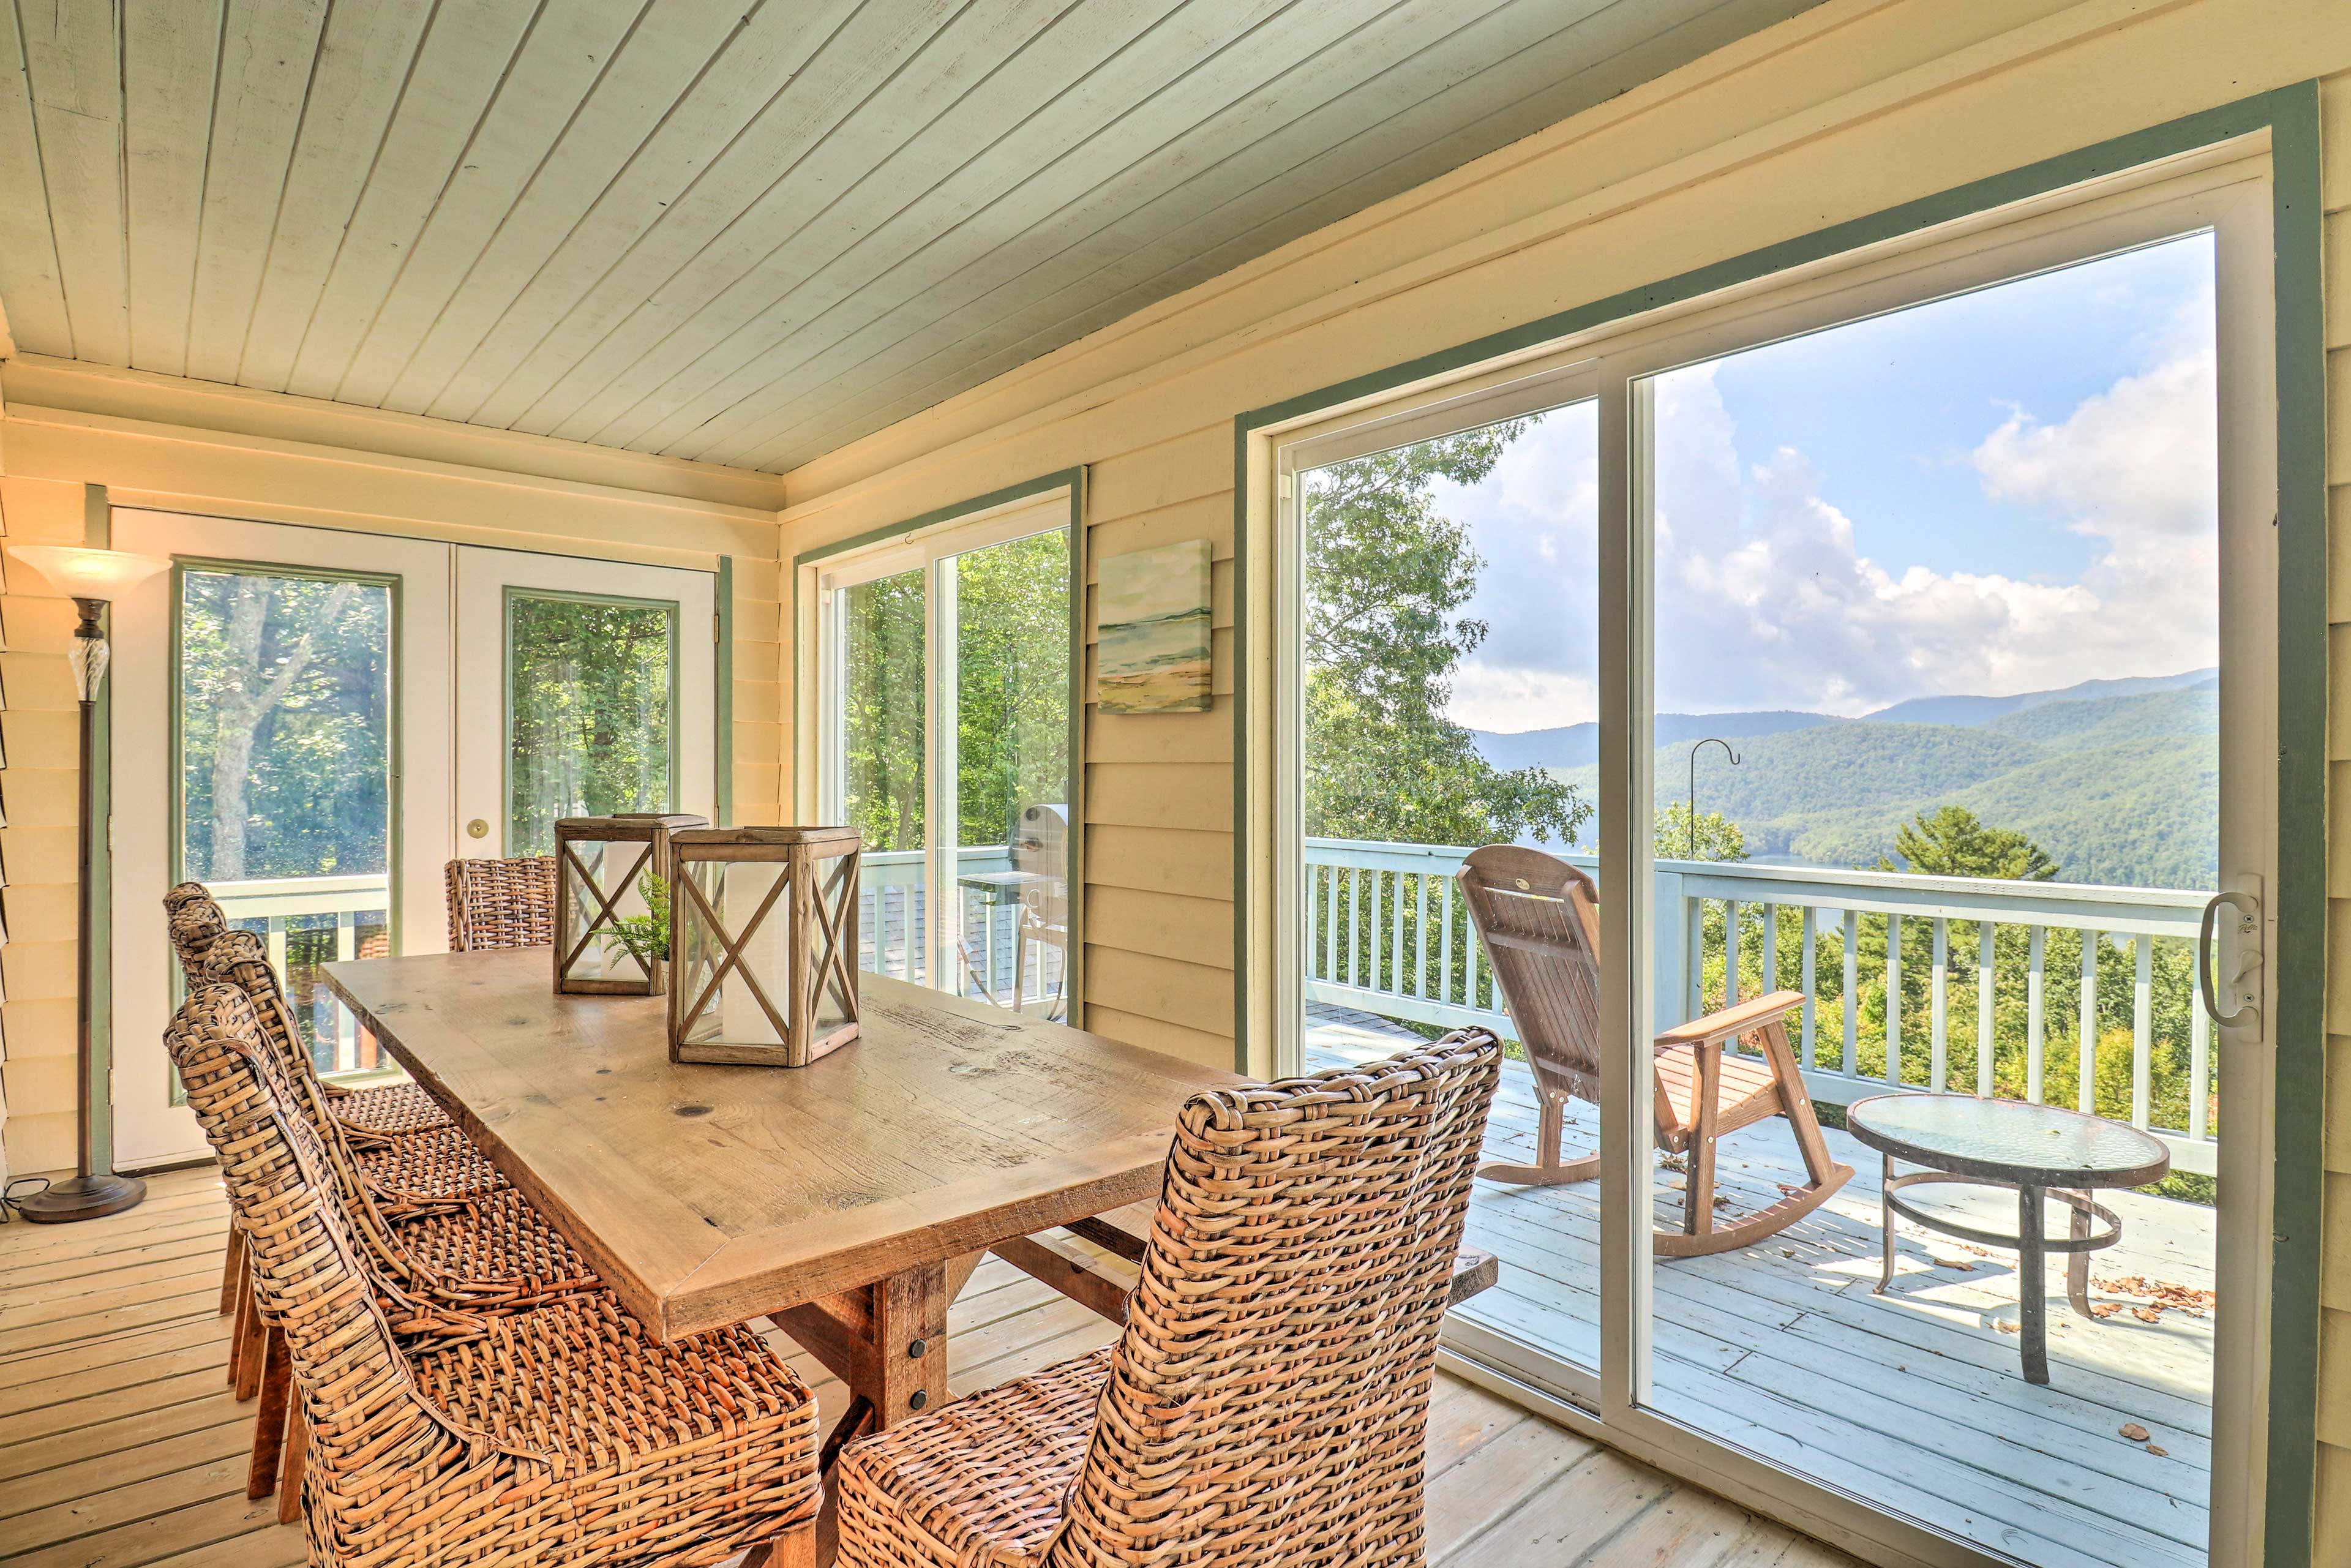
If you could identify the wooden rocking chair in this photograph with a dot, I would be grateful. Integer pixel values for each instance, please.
(1540, 920)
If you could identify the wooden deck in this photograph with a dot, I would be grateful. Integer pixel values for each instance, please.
(1913, 1399)
(120, 1443)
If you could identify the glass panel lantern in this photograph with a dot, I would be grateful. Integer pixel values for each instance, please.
(764, 943)
(611, 886)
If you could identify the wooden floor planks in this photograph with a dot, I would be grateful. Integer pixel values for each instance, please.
(1914, 1399)
(121, 1445)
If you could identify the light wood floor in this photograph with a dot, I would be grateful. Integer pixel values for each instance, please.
(1913, 1399)
(120, 1443)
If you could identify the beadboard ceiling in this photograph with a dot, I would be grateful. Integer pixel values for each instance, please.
(744, 232)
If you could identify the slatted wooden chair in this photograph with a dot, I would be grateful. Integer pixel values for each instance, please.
(501, 904)
(1266, 1401)
(565, 1435)
(1539, 918)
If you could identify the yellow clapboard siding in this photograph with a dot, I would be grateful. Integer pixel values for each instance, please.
(1159, 922)
(1169, 795)
(1193, 863)
(1197, 996)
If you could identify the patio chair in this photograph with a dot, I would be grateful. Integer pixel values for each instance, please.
(501, 904)
(1267, 1401)
(566, 1435)
(1539, 918)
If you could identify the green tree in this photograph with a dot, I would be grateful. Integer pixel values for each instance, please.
(1951, 841)
(1386, 575)
(1718, 838)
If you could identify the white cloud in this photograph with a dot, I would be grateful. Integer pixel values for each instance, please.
(1765, 601)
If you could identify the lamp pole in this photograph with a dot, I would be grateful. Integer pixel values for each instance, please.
(92, 578)
(91, 1194)
(1709, 740)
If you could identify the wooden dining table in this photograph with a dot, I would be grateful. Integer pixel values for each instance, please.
(846, 1200)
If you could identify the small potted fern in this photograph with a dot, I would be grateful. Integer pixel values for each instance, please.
(645, 937)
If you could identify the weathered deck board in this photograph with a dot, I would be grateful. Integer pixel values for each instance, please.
(1914, 1399)
(120, 1443)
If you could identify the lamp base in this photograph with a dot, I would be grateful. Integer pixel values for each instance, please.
(83, 1198)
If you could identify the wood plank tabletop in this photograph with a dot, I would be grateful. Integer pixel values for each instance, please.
(709, 1195)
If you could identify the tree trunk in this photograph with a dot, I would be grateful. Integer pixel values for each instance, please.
(245, 702)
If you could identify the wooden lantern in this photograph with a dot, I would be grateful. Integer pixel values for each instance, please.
(763, 944)
(600, 866)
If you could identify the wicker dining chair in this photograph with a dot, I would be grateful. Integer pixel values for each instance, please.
(501, 904)
(562, 1436)
(1268, 1400)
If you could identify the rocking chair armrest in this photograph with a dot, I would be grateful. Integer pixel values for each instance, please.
(1725, 1022)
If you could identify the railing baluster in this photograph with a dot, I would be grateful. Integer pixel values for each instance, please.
(1894, 999)
(1331, 923)
(1420, 936)
(1939, 1049)
(2199, 1065)
(2142, 1030)
(1395, 925)
(1809, 938)
(1445, 962)
(2087, 1101)
(1693, 953)
(1852, 993)
(1354, 901)
(1730, 952)
(1469, 969)
(2035, 1029)
(1985, 1043)
(1770, 948)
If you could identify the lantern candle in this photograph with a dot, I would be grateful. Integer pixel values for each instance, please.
(611, 875)
(763, 932)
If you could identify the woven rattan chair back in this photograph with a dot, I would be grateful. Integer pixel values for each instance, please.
(359, 1393)
(1539, 920)
(1267, 1402)
(501, 904)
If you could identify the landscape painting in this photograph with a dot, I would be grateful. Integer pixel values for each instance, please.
(1152, 656)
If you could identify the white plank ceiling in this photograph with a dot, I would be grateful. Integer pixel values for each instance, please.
(746, 233)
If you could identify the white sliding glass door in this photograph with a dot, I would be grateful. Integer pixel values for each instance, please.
(1895, 649)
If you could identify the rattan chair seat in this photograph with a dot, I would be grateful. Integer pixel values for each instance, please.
(982, 1481)
(584, 1380)
(494, 1248)
(393, 1111)
(439, 1166)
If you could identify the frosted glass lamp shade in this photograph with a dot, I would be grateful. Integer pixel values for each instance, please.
(81, 573)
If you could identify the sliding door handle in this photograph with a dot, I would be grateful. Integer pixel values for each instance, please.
(2243, 986)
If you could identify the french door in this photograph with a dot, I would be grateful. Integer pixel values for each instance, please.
(944, 664)
(1659, 534)
(313, 722)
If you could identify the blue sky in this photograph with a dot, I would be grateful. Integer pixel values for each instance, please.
(2002, 492)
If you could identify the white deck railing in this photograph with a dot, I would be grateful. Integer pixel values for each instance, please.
(273, 902)
(893, 926)
(1383, 931)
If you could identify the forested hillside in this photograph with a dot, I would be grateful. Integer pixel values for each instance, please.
(2120, 788)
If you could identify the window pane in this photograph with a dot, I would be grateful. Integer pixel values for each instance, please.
(1012, 766)
(884, 764)
(283, 765)
(590, 697)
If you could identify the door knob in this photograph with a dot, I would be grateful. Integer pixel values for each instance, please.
(477, 828)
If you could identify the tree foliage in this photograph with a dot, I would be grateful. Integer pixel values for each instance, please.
(1387, 573)
(588, 691)
(1012, 694)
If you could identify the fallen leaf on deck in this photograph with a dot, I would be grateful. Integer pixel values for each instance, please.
(2159, 1450)
(2134, 1431)
(2105, 1309)
(2147, 1315)
(2005, 1328)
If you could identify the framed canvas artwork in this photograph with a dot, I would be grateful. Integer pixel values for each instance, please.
(1152, 655)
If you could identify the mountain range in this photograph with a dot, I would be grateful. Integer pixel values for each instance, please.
(2118, 779)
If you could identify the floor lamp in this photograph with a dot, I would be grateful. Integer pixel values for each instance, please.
(93, 579)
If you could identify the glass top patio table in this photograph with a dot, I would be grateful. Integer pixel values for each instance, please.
(2036, 1146)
